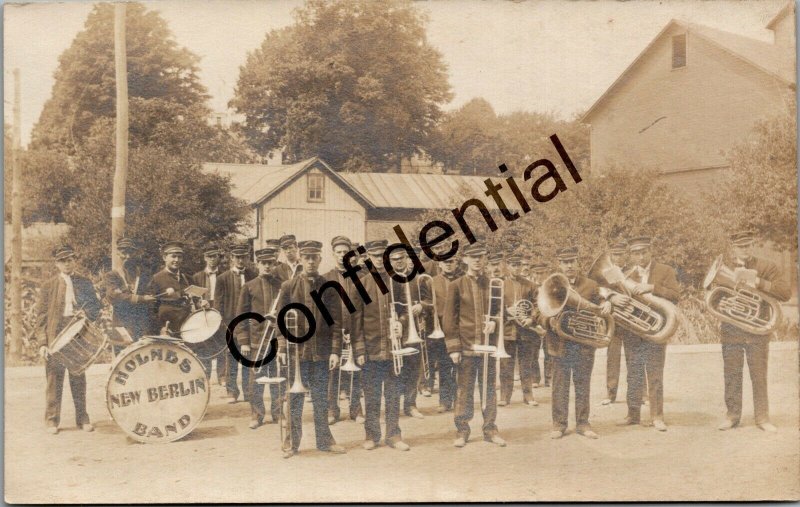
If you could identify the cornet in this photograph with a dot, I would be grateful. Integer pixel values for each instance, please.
(346, 363)
(437, 333)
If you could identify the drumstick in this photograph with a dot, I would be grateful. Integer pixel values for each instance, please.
(170, 291)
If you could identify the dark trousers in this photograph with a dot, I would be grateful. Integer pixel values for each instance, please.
(55, 386)
(757, 353)
(468, 369)
(574, 367)
(255, 393)
(409, 378)
(525, 361)
(337, 384)
(612, 366)
(381, 382)
(232, 382)
(222, 374)
(315, 373)
(443, 365)
(538, 344)
(507, 371)
(645, 362)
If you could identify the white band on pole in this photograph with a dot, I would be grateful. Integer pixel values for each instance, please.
(118, 212)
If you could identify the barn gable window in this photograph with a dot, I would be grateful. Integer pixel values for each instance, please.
(316, 188)
(679, 51)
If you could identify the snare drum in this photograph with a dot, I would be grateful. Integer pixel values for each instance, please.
(157, 391)
(78, 345)
(201, 333)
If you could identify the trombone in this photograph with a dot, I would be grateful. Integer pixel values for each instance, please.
(395, 333)
(437, 333)
(496, 293)
(413, 337)
(269, 331)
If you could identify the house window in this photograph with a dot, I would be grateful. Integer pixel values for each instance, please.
(316, 188)
(679, 51)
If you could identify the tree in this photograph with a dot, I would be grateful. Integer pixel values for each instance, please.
(354, 82)
(84, 81)
(761, 188)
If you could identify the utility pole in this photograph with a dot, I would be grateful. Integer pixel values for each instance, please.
(121, 167)
(16, 228)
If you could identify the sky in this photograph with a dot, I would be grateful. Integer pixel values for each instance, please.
(540, 55)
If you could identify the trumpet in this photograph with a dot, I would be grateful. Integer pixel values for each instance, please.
(437, 333)
(395, 335)
(269, 331)
(747, 308)
(652, 317)
(571, 316)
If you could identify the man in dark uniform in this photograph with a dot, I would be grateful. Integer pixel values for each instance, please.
(437, 351)
(259, 295)
(125, 290)
(572, 360)
(340, 246)
(226, 297)
(207, 278)
(765, 276)
(520, 337)
(292, 266)
(168, 286)
(647, 358)
(317, 355)
(64, 298)
(372, 329)
(465, 326)
(539, 271)
(618, 253)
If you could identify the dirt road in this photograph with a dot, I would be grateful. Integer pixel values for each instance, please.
(224, 461)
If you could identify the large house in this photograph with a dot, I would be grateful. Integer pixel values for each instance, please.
(689, 96)
(311, 201)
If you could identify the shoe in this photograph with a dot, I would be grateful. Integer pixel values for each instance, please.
(532, 402)
(426, 393)
(53, 430)
(496, 439)
(460, 442)
(441, 409)
(628, 421)
(547, 384)
(536, 385)
(87, 427)
(555, 434)
(233, 400)
(607, 401)
(400, 446)
(415, 413)
(255, 424)
(588, 433)
(360, 419)
(768, 427)
(289, 453)
(660, 425)
(331, 420)
(502, 403)
(726, 425)
(369, 445)
(335, 449)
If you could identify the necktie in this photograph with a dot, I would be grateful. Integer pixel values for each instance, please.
(69, 297)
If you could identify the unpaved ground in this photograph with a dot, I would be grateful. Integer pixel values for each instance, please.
(224, 461)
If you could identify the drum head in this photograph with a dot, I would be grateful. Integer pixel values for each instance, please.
(67, 334)
(200, 326)
(157, 392)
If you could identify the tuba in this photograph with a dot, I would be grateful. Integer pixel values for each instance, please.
(571, 316)
(651, 317)
(747, 308)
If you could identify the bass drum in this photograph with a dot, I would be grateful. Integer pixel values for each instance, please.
(202, 332)
(158, 391)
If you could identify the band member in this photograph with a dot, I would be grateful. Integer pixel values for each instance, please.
(738, 344)
(618, 253)
(207, 278)
(341, 245)
(372, 330)
(258, 295)
(646, 358)
(572, 360)
(540, 271)
(465, 325)
(64, 298)
(226, 296)
(168, 286)
(409, 377)
(125, 290)
(519, 337)
(292, 266)
(317, 355)
(437, 351)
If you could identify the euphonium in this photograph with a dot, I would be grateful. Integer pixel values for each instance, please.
(437, 333)
(745, 307)
(571, 316)
(651, 317)
(395, 335)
